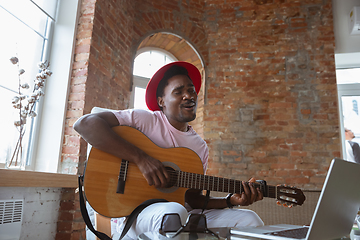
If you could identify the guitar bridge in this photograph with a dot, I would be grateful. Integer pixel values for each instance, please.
(122, 177)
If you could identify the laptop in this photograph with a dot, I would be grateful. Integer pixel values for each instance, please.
(334, 214)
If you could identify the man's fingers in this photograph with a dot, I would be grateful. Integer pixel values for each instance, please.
(149, 179)
(246, 188)
(246, 196)
(251, 194)
(254, 193)
(244, 200)
(156, 178)
(154, 172)
(166, 174)
(163, 180)
(260, 195)
(252, 180)
(157, 182)
(249, 190)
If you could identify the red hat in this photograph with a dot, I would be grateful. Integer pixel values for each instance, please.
(150, 94)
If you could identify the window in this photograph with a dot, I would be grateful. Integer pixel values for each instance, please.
(26, 27)
(147, 62)
(348, 76)
(355, 106)
(36, 30)
(349, 98)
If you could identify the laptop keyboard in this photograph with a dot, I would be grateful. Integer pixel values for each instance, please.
(297, 233)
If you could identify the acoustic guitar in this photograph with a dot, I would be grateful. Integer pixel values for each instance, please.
(114, 187)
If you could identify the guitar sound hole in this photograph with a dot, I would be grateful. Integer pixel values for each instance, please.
(173, 176)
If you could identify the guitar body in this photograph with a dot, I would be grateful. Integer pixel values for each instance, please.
(102, 173)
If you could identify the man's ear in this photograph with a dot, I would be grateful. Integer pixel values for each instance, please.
(160, 102)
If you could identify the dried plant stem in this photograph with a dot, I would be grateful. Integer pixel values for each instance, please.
(21, 127)
(26, 109)
(18, 144)
(18, 148)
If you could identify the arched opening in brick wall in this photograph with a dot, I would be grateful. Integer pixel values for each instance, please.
(183, 51)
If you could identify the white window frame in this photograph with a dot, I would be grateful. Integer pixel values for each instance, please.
(140, 82)
(47, 148)
(346, 61)
(343, 91)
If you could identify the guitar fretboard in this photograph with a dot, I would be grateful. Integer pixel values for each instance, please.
(217, 184)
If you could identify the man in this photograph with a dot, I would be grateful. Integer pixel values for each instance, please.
(352, 148)
(171, 95)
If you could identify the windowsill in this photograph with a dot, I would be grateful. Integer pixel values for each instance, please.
(18, 178)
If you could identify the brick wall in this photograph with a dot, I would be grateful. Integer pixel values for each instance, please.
(270, 101)
(101, 71)
(70, 224)
(271, 106)
(76, 100)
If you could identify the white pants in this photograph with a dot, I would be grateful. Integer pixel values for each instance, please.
(150, 218)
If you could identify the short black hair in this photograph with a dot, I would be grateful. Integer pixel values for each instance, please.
(172, 71)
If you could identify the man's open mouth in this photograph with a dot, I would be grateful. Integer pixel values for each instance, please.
(189, 105)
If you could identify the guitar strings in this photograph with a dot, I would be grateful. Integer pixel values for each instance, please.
(200, 181)
(205, 182)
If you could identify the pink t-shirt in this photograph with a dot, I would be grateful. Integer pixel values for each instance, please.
(156, 126)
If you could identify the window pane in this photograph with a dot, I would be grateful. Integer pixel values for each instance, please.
(24, 27)
(168, 60)
(350, 105)
(139, 100)
(346, 76)
(351, 118)
(22, 42)
(28, 13)
(49, 6)
(147, 63)
(142, 67)
(157, 60)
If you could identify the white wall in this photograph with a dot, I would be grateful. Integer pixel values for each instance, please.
(40, 211)
(347, 47)
(345, 43)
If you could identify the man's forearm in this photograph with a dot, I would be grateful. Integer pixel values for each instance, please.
(98, 132)
(96, 129)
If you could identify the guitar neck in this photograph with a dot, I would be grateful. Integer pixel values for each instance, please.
(217, 184)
